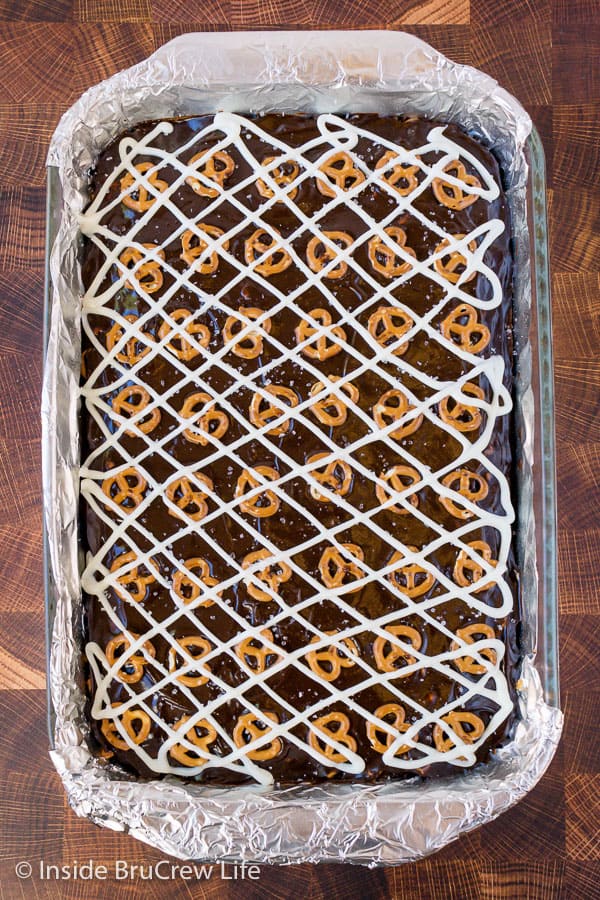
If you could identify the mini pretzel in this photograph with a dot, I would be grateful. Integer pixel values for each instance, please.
(131, 668)
(187, 588)
(144, 198)
(451, 266)
(149, 275)
(210, 171)
(456, 721)
(460, 415)
(393, 714)
(391, 406)
(179, 345)
(251, 345)
(208, 424)
(249, 728)
(336, 475)
(331, 410)
(129, 719)
(335, 725)
(190, 499)
(183, 754)
(285, 173)
(194, 248)
(132, 400)
(254, 654)
(133, 582)
(131, 353)
(384, 259)
(470, 485)
(323, 347)
(402, 177)
(411, 578)
(340, 170)
(387, 325)
(276, 572)
(278, 260)
(470, 634)
(399, 479)
(319, 254)
(386, 659)
(452, 195)
(264, 504)
(469, 335)
(328, 662)
(468, 572)
(197, 647)
(335, 568)
(262, 411)
(120, 489)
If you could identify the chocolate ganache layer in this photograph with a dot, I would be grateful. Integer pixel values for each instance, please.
(296, 450)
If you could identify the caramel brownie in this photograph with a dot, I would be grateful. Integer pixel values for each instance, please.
(296, 449)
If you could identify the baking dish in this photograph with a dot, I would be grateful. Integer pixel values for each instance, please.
(362, 74)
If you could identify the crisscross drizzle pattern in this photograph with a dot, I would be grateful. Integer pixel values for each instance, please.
(326, 728)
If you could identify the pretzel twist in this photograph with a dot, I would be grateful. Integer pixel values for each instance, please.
(381, 738)
(249, 728)
(256, 655)
(323, 347)
(149, 275)
(201, 735)
(251, 345)
(393, 406)
(209, 170)
(452, 195)
(468, 572)
(331, 410)
(402, 177)
(457, 720)
(134, 349)
(186, 588)
(131, 667)
(336, 475)
(335, 568)
(338, 169)
(336, 726)
(384, 259)
(259, 242)
(399, 478)
(469, 335)
(328, 662)
(144, 199)
(264, 504)
(319, 254)
(459, 415)
(190, 499)
(125, 488)
(387, 325)
(387, 653)
(285, 173)
(196, 252)
(470, 485)
(132, 400)
(197, 647)
(411, 578)
(136, 723)
(275, 573)
(262, 411)
(209, 424)
(179, 345)
(470, 634)
(134, 584)
(452, 266)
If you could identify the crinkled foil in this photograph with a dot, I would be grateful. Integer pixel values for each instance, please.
(289, 72)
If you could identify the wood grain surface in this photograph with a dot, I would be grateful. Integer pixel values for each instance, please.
(546, 53)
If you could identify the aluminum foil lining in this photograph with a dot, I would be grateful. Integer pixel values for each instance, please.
(288, 72)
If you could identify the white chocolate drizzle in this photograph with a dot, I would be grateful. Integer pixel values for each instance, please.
(335, 134)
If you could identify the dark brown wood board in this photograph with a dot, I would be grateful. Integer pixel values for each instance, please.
(546, 53)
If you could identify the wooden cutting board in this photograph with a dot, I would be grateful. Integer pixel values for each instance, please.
(546, 54)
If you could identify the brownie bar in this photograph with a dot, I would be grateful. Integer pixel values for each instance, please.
(296, 450)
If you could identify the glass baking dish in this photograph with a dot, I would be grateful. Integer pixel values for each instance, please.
(535, 527)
